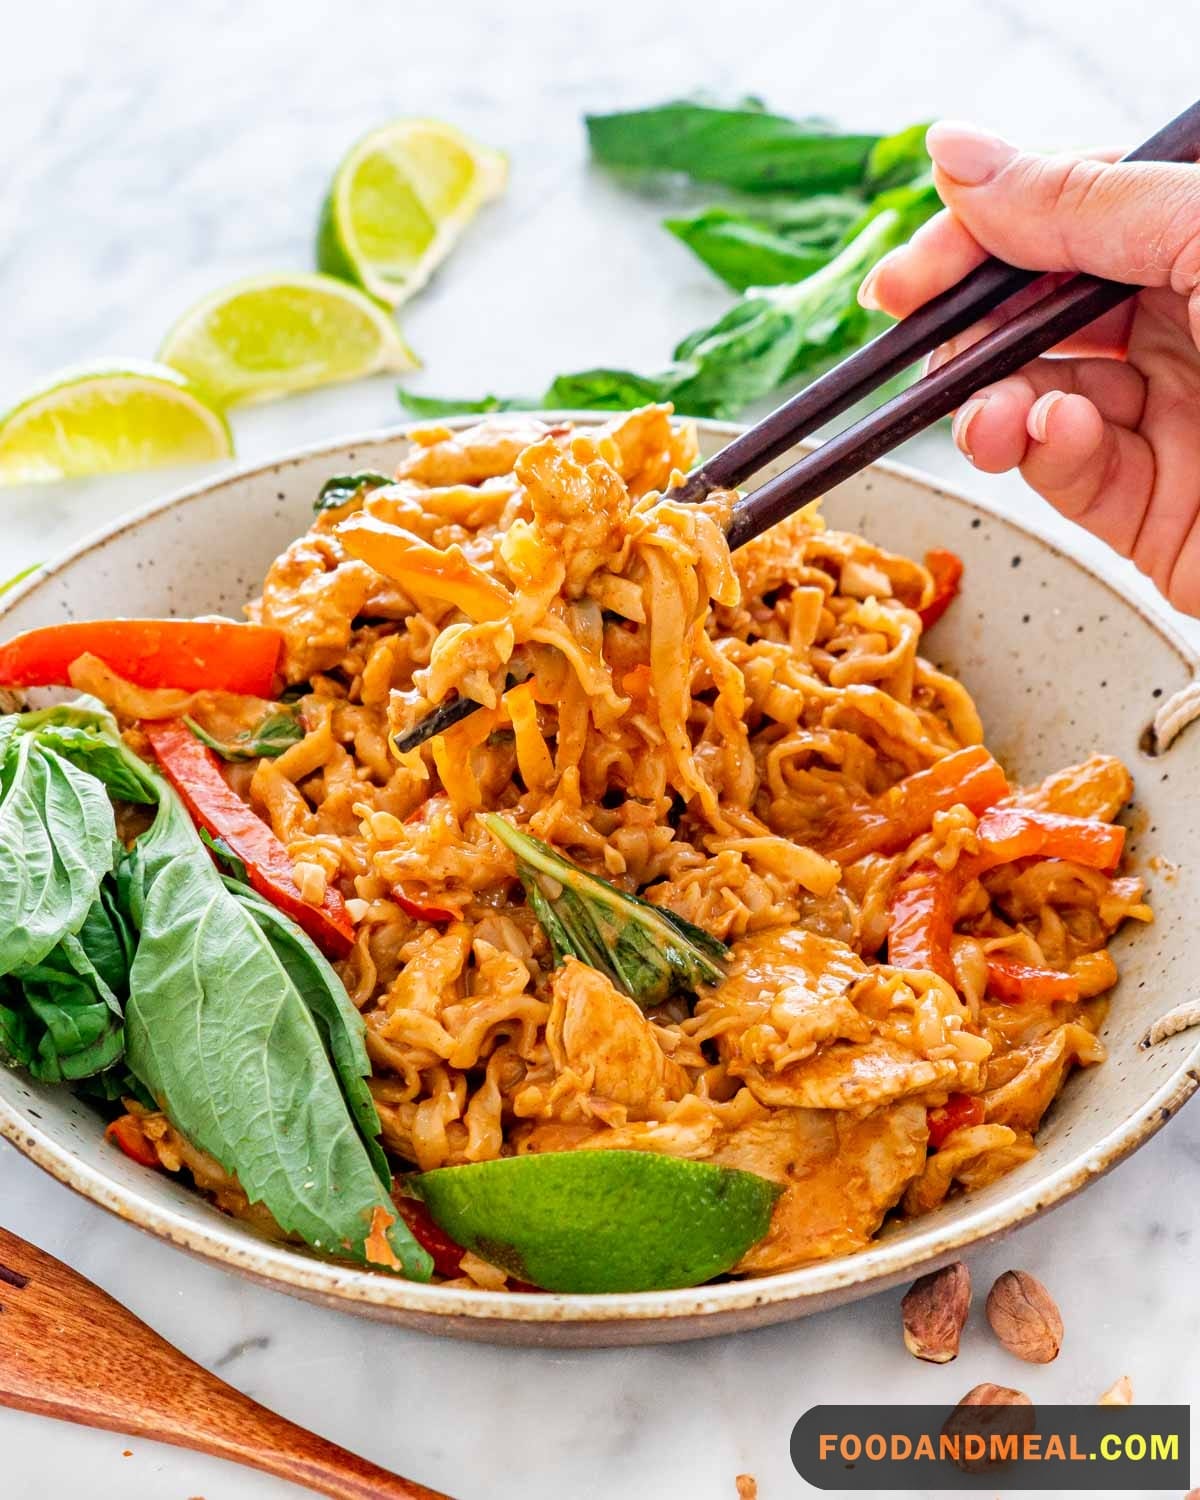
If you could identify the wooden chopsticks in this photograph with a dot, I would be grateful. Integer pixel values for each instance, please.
(1072, 306)
(1064, 310)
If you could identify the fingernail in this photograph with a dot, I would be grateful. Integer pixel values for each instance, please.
(961, 426)
(1039, 415)
(968, 156)
(866, 292)
(940, 356)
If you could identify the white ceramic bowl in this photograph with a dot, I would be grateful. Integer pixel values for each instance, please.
(1061, 663)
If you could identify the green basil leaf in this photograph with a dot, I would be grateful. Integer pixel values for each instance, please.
(430, 408)
(341, 489)
(85, 712)
(822, 220)
(17, 1046)
(743, 356)
(227, 861)
(88, 749)
(778, 333)
(897, 159)
(221, 1034)
(340, 1024)
(81, 1035)
(274, 734)
(70, 1002)
(745, 251)
(107, 941)
(744, 148)
(606, 390)
(85, 732)
(58, 840)
(645, 950)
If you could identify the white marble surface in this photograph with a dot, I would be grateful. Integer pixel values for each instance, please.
(148, 153)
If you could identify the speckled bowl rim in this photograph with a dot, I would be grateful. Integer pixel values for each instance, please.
(823, 1283)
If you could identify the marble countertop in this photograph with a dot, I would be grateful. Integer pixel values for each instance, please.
(150, 153)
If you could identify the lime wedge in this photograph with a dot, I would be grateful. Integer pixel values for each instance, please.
(269, 335)
(601, 1221)
(101, 419)
(399, 202)
(11, 583)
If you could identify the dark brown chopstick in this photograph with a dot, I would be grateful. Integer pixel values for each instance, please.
(1064, 311)
(886, 356)
(1035, 329)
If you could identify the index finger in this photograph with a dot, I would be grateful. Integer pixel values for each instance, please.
(938, 256)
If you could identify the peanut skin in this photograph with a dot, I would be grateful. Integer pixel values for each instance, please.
(934, 1311)
(1025, 1318)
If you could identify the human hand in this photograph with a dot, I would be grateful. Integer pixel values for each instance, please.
(1110, 435)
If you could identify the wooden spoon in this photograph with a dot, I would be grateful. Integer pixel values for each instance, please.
(68, 1350)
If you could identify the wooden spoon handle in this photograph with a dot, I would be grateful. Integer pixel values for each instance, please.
(68, 1350)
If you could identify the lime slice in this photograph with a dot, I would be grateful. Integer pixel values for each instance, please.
(269, 335)
(101, 419)
(399, 202)
(601, 1221)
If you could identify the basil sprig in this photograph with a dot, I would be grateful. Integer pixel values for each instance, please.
(815, 211)
(646, 950)
(58, 840)
(340, 489)
(61, 1018)
(270, 737)
(143, 971)
(745, 147)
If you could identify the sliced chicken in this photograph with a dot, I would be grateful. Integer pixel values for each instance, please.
(841, 1174)
(603, 1038)
(1025, 1081)
(804, 1022)
(312, 595)
(481, 452)
(1099, 787)
(787, 992)
(851, 1075)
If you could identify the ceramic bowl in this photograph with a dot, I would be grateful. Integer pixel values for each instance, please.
(1061, 663)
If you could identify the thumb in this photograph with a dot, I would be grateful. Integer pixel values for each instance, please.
(1137, 222)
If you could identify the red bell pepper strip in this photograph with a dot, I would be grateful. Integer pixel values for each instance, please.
(1009, 833)
(907, 809)
(958, 1111)
(192, 770)
(921, 914)
(446, 1254)
(1015, 982)
(423, 911)
(947, 570)
(128, 1135)
(191, 655)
